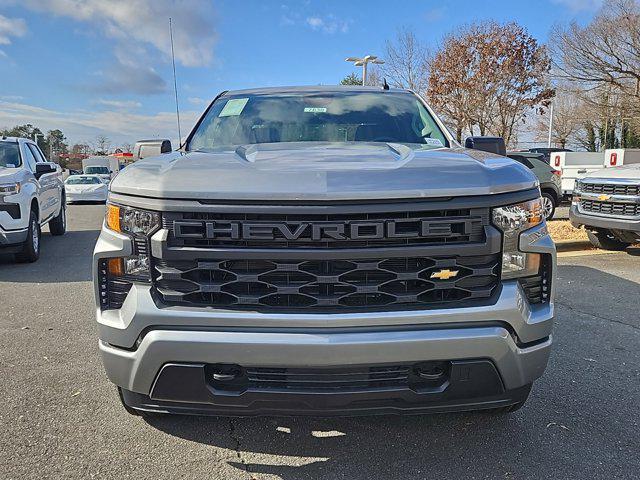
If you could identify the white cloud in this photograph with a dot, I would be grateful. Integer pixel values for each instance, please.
(196, 101)
(140, 33)
(327, 24)
(83, 126)
(11, 27)
(145, 21)
(580, 5)
(120, 104)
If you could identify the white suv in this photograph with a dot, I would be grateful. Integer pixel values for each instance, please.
(31, 194)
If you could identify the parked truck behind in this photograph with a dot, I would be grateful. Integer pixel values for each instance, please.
(106, 167)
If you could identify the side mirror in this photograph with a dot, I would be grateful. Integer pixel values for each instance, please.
(487, 144)
(151, 148)
(43, 168)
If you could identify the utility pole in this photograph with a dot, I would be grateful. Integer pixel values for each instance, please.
(550, 125)
(363, 62)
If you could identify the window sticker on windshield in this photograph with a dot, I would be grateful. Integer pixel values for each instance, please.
(315, 109)
(435, 142)
(233, 107)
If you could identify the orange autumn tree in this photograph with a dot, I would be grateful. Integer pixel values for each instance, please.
(488, 77)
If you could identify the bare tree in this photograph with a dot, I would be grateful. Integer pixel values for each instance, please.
(101, 145)
(568, 111)
(406, 62)
(604, 52)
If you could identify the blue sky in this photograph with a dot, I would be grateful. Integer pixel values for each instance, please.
(103, 66)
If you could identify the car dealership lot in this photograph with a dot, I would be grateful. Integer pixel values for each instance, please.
(62, 419)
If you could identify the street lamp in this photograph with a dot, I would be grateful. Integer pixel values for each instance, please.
(363, 62)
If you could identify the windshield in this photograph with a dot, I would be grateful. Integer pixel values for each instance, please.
(398, 117)
(82, 181)
(9, 155)
(97, 170)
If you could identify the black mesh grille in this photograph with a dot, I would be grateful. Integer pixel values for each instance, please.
(301, 379)
(325, 284)
(409, 228)
(610, 208)
(610, 188)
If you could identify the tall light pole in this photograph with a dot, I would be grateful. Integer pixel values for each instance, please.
(363, 62)
(550, 125)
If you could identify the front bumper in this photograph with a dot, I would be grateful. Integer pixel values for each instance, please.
(506, 344)
(602, 221)
(9, 239)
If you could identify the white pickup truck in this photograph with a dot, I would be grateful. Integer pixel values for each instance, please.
(575, 165)
(31, 195)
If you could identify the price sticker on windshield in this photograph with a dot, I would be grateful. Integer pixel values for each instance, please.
(233, 107)
(315, 110)
(434, 142)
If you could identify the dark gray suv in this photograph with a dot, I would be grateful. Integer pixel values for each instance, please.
(549, 178)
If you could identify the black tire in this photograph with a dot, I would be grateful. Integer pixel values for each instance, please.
(58, 225)
(31, 249)
(605, 240)
(549, 205)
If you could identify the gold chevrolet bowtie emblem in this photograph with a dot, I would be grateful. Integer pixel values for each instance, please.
(604, 198)
(445, 274)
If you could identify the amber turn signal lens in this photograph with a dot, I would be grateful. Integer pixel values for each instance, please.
(113, 217)
(115, 266)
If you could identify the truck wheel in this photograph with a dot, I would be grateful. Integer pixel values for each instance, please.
(548, 205)
(31, 248)
(605, 240)
(58, 225)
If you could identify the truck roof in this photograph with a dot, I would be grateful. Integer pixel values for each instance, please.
(311, 89)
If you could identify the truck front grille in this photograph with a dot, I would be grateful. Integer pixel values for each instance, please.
(610, 188)
(610, 208)
(273, 284)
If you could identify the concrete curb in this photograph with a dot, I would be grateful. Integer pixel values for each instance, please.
(573, 245)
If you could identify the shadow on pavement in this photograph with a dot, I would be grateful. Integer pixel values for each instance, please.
(378, 447)
(62, 259)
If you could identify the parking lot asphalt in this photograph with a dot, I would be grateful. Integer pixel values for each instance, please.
(61, 418)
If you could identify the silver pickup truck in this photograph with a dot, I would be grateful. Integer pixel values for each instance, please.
(607, 203)
(324, 250)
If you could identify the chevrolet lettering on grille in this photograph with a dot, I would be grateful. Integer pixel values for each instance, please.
(320, 231)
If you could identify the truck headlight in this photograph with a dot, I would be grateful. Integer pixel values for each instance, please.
(9, 189)
(139, 225)
(512, 220)
(130, 220)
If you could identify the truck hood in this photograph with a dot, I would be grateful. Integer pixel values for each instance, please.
(323, 171)
(10, 175)
(631, 172)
